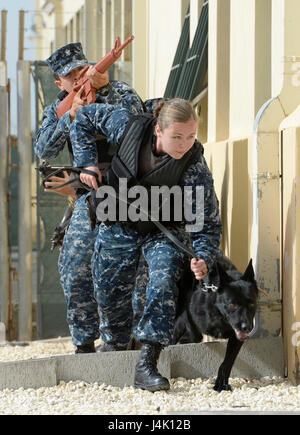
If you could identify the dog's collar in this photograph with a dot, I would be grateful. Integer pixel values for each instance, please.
(206, 288)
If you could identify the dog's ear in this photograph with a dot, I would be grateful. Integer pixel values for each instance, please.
(249, 272)
(224, 278)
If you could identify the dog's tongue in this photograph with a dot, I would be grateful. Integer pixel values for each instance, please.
(241, 335)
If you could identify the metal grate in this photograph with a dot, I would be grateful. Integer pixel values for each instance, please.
(179, 59)
(51, 306)
(194, 69)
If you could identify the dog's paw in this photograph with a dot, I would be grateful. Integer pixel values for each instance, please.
(221, 386)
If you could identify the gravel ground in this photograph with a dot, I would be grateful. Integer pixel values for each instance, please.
(79, 398)
(36, 349)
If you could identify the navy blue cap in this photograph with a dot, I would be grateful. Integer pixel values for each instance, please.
(67, 58)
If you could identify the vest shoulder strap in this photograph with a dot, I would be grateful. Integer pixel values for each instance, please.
(137, 132)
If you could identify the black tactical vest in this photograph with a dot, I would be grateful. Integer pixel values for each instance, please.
(125, 165)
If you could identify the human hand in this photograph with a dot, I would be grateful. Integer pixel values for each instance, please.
(97, 79)
(57, 181)
(90, 180)
(78, 102)
(199, 268)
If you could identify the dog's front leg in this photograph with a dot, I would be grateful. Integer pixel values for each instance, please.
(233, 347)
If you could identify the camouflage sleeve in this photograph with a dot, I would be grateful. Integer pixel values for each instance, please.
(104, 119)
(123, 95)
(206, 229)
(51, 137)
(151, 104)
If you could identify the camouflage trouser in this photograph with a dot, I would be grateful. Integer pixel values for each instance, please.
(115, 262)
(139, 294)
(77, 282)
(76, 276)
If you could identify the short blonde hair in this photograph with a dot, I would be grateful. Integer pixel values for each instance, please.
(176, 110)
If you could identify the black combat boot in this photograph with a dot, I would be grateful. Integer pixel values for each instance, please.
(146, 373)
(109, 348)
(86, 348)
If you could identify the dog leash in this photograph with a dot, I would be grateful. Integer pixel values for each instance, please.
(160, 226)
(174, 239)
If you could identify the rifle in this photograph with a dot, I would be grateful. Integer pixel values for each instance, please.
(89, 93)
(47, 171)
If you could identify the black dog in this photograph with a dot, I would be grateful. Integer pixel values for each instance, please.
(222, 306)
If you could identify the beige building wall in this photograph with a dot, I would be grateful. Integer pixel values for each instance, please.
(239, 43)
(218, 70)
(140, 63)
(162, 50)
(57, 22)
(156, 42)
(256, 167)
(277, 46)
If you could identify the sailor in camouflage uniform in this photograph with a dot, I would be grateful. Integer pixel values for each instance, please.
(78, 245)
(167, 148)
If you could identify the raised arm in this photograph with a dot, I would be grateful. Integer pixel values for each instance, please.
(51, 137)
(91, 120)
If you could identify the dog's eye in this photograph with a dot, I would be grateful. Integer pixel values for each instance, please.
(251, 305)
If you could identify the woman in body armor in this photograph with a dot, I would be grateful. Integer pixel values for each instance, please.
(153, 153)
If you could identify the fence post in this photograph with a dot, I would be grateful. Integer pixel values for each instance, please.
(4, 265)
(24, 202)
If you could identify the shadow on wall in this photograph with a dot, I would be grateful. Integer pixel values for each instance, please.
(228, 162)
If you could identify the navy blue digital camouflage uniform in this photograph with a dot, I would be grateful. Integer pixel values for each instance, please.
(117, 248)
(78, 244)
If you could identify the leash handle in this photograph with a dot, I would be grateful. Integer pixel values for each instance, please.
(94, 174)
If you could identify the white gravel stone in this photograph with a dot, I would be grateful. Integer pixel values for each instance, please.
(80, 398)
